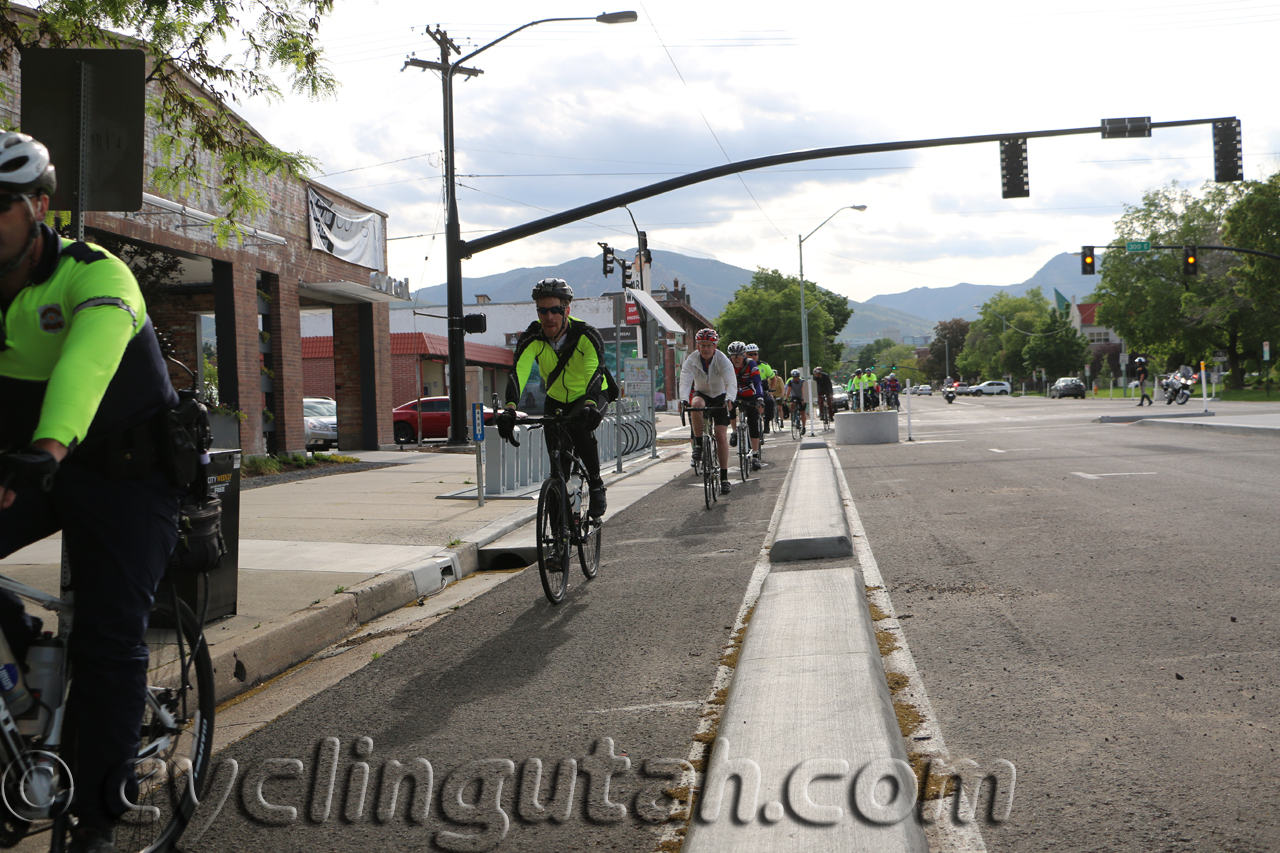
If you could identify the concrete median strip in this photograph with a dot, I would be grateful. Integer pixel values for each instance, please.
(808, 755)
(813, 525)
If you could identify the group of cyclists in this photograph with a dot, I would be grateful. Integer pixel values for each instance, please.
(742, 383)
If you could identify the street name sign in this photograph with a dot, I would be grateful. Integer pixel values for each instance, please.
(1138, 246)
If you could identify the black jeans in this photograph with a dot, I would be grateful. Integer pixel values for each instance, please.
(580, 439)
(118, 536)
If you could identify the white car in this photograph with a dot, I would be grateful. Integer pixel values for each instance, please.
(993, 387)
(922, 389)
(320, 414)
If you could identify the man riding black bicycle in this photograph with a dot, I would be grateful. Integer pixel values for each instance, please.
(826, 398)
(570, 358)
(85, 392)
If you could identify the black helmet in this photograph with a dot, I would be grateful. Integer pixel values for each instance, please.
(557, 287)
(24, 165)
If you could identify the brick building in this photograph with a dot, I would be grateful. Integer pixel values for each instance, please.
(673, 349)
(255, 287)
(418, 360)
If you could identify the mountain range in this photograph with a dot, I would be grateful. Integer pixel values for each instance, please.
(711, 285)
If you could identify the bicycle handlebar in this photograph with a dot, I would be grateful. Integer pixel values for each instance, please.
(685, 407)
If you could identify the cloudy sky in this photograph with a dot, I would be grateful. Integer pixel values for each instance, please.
(568, 113)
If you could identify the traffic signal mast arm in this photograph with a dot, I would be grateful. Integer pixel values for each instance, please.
(1109, 128)
(1201, 248)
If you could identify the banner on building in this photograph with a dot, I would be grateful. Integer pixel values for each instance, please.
(354, 237)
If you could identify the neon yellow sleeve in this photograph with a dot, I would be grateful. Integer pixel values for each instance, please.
(96, 337)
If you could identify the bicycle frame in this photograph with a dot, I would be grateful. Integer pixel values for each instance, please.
(28, 759)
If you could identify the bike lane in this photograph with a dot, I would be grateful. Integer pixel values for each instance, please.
(617, 680)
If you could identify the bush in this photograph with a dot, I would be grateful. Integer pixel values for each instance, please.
(257, 466)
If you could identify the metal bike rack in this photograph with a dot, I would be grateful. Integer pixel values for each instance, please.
(511, 469)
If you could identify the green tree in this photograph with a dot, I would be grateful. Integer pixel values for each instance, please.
(1056, 346)
(1147, 299)
(993, 348)
(179, 38)
(1253, 222)
(767, 312)
(869, 355)
(948, 342)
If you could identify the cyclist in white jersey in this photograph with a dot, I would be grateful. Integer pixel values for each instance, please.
(707, 378)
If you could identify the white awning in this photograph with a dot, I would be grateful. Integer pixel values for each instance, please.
(648, 303)
(345, 292)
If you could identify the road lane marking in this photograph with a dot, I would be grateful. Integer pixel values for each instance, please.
(652, 707)
(1124, 474)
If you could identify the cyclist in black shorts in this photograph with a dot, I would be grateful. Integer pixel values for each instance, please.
(795, 394)
(750, 397)
(825, 399)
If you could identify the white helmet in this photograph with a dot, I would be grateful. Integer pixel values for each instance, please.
(737, 348)
(24, 165)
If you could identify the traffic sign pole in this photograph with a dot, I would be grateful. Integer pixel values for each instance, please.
(477, 434)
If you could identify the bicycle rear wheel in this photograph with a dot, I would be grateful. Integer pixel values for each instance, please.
(177, 729)
(553, 540)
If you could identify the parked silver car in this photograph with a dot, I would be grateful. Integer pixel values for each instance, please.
(320, 414)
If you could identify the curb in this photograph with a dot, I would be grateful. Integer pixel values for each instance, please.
(1232, 429)
(310, 630)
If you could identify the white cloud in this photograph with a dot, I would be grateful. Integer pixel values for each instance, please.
(568, 113)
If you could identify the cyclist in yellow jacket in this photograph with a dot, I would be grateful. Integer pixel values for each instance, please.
(569, 354)
(82, 384)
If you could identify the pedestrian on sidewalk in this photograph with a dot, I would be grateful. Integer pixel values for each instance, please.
(569, 354)
(1140, 367)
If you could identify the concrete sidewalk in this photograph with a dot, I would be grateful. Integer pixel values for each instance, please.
(321, 557)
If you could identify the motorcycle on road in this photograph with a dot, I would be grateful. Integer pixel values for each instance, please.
(1178, 386)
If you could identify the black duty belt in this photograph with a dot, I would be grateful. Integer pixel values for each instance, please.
(129, 454)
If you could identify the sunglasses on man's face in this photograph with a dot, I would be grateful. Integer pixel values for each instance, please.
(554, 309)
(8, 200)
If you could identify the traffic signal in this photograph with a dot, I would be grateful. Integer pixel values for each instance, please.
(1190, 264)
(1227, 163)
(1086, 260)
(1013, 169)
(475, 324)
(608, 258)
(626, 272)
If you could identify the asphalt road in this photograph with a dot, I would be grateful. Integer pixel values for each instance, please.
(1114, 635)
(629, 656)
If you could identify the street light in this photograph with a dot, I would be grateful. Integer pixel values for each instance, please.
(804, 315)
(453, 229)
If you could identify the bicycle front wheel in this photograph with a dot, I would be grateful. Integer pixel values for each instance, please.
(589, 547)
(553, 540)
(709, 484)
(177, 729)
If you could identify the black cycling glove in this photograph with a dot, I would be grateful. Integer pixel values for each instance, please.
(591, 416)
(506, 424)
(28, 469)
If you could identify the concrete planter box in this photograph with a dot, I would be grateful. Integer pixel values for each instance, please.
(866, 427)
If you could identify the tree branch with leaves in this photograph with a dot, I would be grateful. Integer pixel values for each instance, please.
(191, 84)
